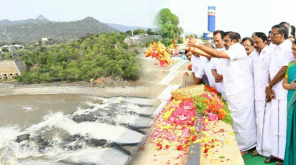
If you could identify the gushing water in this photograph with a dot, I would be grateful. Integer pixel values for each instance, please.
(98, 131)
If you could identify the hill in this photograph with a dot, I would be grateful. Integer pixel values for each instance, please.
(34, 31)
(39, 19)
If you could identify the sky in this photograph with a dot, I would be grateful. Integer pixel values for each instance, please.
(243, 16)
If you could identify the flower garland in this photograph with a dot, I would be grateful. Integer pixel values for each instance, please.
(160, 52)
(210, 104)
(174, 126)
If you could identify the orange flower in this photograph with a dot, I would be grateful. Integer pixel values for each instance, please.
(221, 114)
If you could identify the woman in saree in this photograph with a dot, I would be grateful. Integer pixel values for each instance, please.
(289, 83)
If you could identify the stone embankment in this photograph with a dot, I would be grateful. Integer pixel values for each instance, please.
(137, 91)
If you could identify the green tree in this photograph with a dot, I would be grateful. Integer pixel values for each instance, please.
(149, 31)
(89, 57)
(5, 50)
(7, 56)
(139, 32)
(23, 52)
(132, 72)
(128, 32)
(168, 25)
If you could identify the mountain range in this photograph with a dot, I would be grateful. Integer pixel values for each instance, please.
(39, 19)
(32, 30)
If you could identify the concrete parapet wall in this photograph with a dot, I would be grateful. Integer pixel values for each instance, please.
(96, 91)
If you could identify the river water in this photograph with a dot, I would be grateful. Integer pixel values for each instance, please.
(71, 129)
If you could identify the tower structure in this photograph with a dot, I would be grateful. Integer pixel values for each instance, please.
(211, 18)
(208, 35)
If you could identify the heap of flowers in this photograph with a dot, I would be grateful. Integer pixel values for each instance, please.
(210, 104)
(175, 126)
(160, 52)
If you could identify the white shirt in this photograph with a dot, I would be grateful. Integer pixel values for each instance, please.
(261, 63)
(281, 56)
(195, 61)
(250, 60)
(237, 73)
(205, 69)
(215, 63)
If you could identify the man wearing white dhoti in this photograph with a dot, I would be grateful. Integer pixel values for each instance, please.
(216, 63)
(260, 63)
(239, 85)
(280, 58)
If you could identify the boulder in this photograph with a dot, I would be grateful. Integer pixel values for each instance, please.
(22, 138)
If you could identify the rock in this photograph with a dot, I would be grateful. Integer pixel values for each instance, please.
(95, 142)
(92, 116)
(22, 138)
(37, 139)
(73, 148)
(73, 138)
(24, 146)
(84, 117)
(43, 145)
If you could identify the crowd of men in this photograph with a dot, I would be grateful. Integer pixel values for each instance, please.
(249, 74)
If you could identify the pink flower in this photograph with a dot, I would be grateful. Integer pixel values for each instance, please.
(212, 116)
(186, 132)
(182, 117)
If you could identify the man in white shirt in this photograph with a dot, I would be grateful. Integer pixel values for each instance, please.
(195, 62)
(216, 63)
(280, 58)
(239, 85)
(260, 63)
(204, 69)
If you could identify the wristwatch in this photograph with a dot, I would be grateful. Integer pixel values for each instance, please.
(268, 85)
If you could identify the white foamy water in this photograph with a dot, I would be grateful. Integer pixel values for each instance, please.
(95, 130)
(133, 120)
(54, 127)
(27, 108)
(8, 135)
(124, 103)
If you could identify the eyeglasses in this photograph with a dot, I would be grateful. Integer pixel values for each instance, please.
(273, 34)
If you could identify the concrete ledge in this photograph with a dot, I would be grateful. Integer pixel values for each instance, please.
(138, 91)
